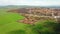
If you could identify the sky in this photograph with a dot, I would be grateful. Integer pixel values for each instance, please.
(31, 2)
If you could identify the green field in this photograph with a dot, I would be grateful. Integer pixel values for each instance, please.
(9, 24)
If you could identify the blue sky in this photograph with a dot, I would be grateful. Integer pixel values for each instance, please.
(31, 2)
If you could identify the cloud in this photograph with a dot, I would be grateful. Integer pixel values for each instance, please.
(30, 2)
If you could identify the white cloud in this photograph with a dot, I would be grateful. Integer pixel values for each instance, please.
(30, 2)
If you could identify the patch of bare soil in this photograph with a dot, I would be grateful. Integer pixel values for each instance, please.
(28, 20)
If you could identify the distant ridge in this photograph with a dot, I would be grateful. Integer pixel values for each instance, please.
(26, 6)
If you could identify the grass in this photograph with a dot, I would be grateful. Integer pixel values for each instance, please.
(8, 21)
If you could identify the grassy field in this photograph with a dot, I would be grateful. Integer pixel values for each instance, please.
(9, 24)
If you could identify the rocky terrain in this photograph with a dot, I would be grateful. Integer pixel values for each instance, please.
(32, 15)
